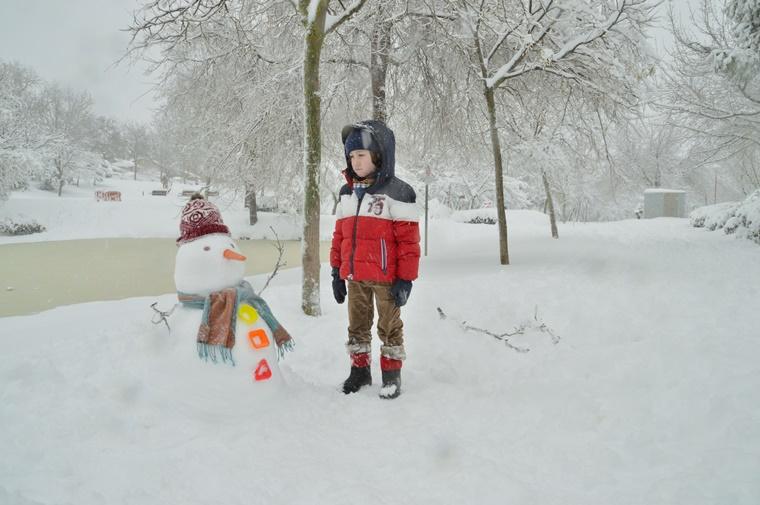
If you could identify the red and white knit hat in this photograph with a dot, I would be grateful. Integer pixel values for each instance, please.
(200, 217)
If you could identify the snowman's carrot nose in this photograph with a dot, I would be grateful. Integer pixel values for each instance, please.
(232, 255)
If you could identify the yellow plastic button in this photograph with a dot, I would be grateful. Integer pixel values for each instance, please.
(247, 313)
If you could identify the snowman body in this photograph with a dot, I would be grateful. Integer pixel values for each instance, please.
(209, 264)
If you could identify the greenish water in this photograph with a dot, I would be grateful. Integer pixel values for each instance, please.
(42, 275)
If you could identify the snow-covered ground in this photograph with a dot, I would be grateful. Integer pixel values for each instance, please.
(77, 214)
(649, 397)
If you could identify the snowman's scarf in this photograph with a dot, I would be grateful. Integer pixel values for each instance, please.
(216, 334)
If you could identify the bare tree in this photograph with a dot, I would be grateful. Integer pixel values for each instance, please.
(318, 24)
(510, 40)
(711, 92)
(65, 114)
(137, 145)
(181, 27)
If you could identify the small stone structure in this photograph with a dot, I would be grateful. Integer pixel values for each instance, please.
(664, 203)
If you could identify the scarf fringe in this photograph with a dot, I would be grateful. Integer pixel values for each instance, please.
(208, 352)
(212, 353)
(288, 346)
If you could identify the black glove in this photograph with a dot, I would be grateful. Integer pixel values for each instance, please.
(401, 290)
(339, 286)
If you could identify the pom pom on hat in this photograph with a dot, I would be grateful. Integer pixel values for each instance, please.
(360, 138)
(200, 217)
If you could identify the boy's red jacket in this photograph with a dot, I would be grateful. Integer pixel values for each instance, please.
(377, 239)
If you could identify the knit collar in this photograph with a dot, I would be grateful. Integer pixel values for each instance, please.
(365, 182)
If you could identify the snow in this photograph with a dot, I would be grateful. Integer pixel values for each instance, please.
(201, 266)
(77, 215)
(650, 395)
(312, 11)
(662, 190)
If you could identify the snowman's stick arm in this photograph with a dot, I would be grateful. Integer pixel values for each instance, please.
(161, 315)
(280, 263)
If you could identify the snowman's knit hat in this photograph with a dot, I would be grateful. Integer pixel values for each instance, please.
(200, 217)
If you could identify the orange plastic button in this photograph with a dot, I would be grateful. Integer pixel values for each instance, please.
(258, 338)
(247, 313)
(262, 372)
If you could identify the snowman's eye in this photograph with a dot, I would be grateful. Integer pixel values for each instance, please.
(232, 245)
(207, 248)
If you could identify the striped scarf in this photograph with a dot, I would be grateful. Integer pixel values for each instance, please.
(216, 334)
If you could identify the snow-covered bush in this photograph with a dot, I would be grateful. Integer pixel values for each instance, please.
(746, 220)
(713, 217)
(10, 226)
(739, 218)
(475, 216)
(482, 220)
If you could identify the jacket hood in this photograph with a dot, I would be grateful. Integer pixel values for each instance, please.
(384, 138)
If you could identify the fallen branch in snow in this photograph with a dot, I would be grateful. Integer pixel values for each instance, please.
(281, 250)
(535, 324)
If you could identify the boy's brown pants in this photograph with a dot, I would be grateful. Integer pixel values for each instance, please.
(390, 328)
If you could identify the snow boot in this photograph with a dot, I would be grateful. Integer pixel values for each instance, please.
(359, 377)
(391, 384)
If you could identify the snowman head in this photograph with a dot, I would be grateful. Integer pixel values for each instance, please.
(207, 259)
(207, 264)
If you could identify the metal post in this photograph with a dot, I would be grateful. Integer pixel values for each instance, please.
(715, 189)
(426, 218)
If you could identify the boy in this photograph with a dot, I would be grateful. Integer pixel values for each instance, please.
(376, 247)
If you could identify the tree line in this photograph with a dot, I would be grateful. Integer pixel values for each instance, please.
(559, 105)
(553, 104)
(49, 134)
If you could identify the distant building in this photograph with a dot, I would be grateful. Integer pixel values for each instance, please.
(664, 203)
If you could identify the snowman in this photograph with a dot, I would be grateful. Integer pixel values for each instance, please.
(232, 332)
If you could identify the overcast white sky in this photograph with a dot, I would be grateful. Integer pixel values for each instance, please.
(76, 43)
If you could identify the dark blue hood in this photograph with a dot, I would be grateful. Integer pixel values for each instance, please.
(384, 138)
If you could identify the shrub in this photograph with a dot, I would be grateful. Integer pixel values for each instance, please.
(482, 220)
(713, 217)
(11, 227)
(739, 218)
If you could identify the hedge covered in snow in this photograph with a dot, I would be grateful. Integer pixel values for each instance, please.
(739, 218)
(10, 226)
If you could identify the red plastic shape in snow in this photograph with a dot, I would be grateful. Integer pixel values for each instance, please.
(262, 372)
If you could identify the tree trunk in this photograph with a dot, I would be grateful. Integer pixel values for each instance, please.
(250, 202)
(59, 170)
(135, 168)
(550, 206)
(379, 54)
(336, 201)
(312, 159)
(499, 172)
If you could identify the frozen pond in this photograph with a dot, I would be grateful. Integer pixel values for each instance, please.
(41, 275)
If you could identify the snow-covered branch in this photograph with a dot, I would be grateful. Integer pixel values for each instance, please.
(531, 324)
(333, 22)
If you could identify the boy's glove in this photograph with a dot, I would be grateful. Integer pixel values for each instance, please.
(401, 290)
(339, 286)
